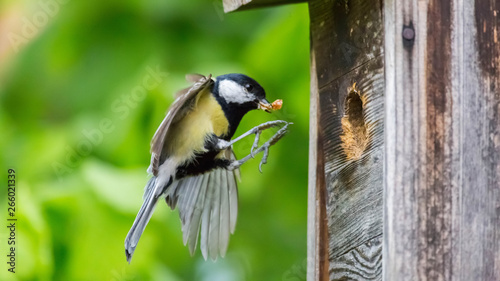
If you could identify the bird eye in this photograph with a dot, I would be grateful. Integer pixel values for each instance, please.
(249, 87)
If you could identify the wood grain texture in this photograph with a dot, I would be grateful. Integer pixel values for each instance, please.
(317, 227)
(354, 186)
(234, 5)
(442, 173)
(344, 34)
(312, 202)
(361, 263)
(347, 46)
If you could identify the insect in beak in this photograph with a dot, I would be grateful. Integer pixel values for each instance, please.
(265, 105)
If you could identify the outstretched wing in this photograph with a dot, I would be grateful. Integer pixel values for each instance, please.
(178, 109)
(208, 208)
(191, 78)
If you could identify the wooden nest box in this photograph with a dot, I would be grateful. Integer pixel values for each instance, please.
(404, 179)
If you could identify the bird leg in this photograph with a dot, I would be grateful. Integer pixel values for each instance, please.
(222, 144)
(265, 147)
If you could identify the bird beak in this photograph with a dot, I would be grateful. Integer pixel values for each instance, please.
(265, 105)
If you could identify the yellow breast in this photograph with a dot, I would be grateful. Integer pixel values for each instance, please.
(187, 136)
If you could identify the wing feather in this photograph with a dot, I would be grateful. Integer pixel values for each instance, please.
(233, 204)
(224, 213)
(193, 228)
(174, 197)
(213, 247)
(233, 192)
(194, 77)
(205, 220)
(178, 109)
(186, 206)
(208, 209)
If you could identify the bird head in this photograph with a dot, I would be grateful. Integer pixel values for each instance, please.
(242, 92)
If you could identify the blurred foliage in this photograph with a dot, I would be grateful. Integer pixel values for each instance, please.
(83, 87)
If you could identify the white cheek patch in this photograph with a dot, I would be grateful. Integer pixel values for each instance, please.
(233, 92)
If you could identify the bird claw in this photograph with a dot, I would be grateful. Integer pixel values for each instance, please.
(255, 143)
(274, 139)
(264, 158)
(265, 147)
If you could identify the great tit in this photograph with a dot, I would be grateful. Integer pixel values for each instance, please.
(192, 163)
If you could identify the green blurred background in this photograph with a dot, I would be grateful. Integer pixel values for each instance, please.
(76, 120)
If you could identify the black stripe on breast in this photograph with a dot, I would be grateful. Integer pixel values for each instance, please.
(203, 162)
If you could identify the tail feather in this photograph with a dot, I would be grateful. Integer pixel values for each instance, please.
(208, 208)
(151, 195)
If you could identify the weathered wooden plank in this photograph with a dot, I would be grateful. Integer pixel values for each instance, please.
(344, 34)
(347, 42)
(233, 5)
(313, 206)
(317, 223)
(353, 151)
(442, 174)
(361, 263)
